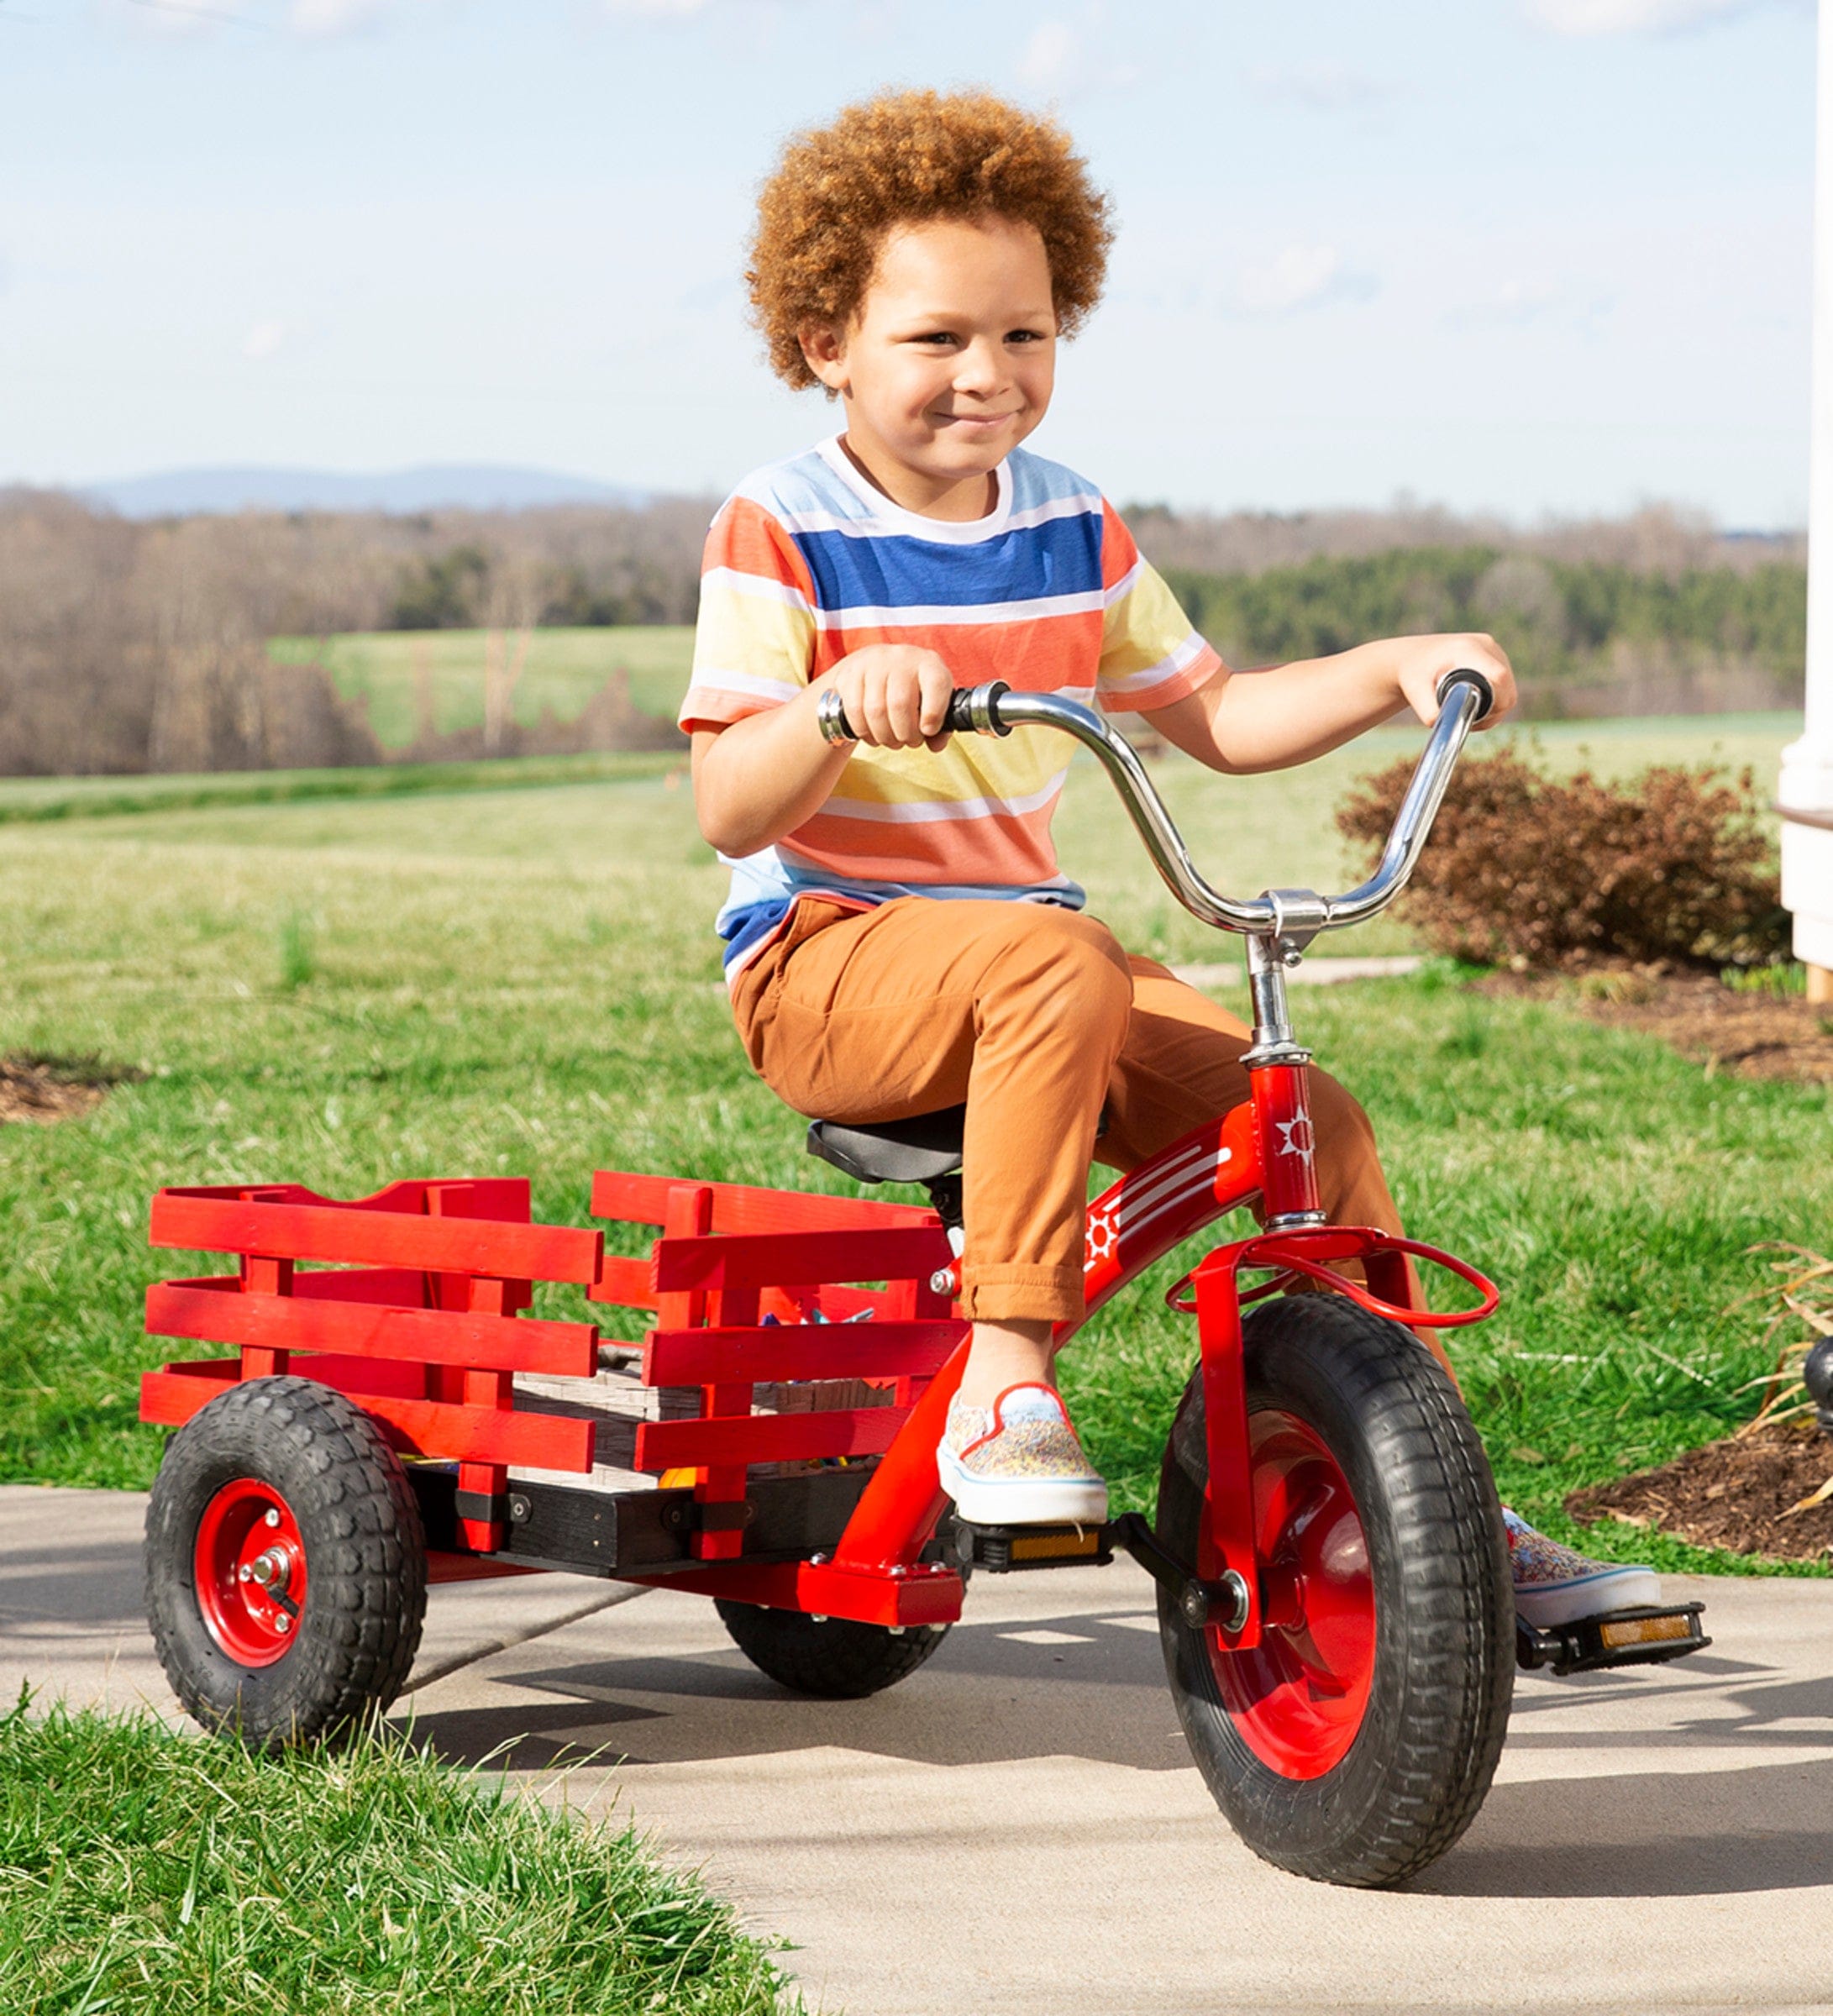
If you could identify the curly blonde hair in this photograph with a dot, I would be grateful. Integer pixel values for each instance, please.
(903, 158)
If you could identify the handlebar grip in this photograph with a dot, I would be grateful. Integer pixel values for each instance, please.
(1466, 675)
(972, 710)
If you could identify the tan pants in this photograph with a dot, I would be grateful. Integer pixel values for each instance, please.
(1036, 1017)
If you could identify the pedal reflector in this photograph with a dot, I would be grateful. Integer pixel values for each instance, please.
(1645, 1631)
(1058, 1546)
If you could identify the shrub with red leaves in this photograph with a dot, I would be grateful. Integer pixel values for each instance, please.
(1673, 867)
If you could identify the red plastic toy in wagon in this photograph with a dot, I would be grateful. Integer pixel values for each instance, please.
(1333, 1583)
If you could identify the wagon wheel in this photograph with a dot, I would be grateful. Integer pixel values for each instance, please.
(285, 1567)
(1357, 1742)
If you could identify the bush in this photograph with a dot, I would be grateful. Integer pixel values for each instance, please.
(1532, 871)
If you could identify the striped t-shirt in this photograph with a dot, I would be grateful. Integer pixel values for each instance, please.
(806, 563)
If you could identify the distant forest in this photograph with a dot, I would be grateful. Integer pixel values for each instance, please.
(135, 646)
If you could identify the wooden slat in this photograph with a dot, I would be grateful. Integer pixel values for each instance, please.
(425, 1428)
(806, 1350)
(763, 1260)
(630, 1283)
(766, 1438)
(399, 1287)
(330, 1231)
(367, 1330)
(743, 1208)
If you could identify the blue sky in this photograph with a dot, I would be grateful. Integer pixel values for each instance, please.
(1532, 255)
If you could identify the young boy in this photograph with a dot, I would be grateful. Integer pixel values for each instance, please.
(899, 938)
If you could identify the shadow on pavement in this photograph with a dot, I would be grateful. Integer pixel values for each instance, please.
(1687, 1834)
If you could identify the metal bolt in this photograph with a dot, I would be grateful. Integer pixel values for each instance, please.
(816, 1617)
(941, 1282)
(898, 1571)
(896, 1629)
(245, 1574)
(272, 1518)
(283, 1622)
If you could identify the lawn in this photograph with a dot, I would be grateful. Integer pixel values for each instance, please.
(564, 669)
(139, 1869)
(344, 991)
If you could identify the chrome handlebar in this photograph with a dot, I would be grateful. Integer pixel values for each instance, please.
(1292, 918)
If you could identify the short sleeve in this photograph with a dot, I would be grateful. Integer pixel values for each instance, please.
(754, 639)
(1150, 654)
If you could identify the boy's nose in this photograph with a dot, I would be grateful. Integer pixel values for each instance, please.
(979, 369)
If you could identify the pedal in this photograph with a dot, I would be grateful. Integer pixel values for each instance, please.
(1001, 1550)
(1650, 1636)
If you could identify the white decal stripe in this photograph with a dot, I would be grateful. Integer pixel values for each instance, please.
(1199, 1160)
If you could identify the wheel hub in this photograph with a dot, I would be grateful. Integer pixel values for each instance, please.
(1297, 1697)
(250, 1563)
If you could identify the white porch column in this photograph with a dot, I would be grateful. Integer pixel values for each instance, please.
(1807, 766)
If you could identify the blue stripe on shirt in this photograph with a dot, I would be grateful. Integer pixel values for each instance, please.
(1061, 556)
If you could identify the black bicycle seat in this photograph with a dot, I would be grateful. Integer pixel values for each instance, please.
(921, 1149)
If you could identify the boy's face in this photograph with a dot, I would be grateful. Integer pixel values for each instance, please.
(948, 364)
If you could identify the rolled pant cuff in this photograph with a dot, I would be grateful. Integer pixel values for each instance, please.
(1022, 1294)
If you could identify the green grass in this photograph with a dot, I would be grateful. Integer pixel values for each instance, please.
(562, 670)
(140, 1870)
(37, 799)
(343, 991)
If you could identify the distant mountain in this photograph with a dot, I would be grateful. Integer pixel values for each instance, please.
(480, 486)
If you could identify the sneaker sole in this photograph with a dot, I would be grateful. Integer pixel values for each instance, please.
(1592, 1596)
(1022, 1501)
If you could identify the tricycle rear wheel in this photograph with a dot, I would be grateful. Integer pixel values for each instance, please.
(285, 1566)
(833, 1657)
(1357, 1742)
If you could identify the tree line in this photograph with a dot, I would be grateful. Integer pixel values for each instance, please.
(129, 646)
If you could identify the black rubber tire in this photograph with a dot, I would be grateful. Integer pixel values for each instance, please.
(831, 1657)
(1443, 1669)
(365, 1563)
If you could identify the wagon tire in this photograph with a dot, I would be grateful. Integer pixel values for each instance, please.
(1357, 1742)
(286, 1566)
(832, 1658)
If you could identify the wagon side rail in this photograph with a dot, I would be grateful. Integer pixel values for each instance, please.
(410, 1301)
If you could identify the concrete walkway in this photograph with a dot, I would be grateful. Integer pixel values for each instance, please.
(1017, 1828)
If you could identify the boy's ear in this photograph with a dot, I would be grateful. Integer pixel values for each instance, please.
(824, 350)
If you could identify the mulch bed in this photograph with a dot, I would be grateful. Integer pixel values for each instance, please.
(1734, 1495)
(1742, 1035)
(45, 1089)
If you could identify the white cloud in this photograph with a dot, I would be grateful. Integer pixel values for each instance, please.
(1319, 88)
(263, 339)
(1629, 17)
(1057, 60)
(327, 18)
(1300, 278)
(1049, 58)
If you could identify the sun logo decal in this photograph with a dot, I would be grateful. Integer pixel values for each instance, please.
(1103, 1238)
(1295, 1136)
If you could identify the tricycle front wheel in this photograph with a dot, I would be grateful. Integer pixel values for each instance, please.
(285, 1567)
(1356, 1742)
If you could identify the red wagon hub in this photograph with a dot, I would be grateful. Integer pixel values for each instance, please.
(251, 1566)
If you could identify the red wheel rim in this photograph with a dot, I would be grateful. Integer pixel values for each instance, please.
(1297, 1697)
(250, 1572)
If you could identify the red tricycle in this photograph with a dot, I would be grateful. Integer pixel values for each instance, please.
(1332, 1577)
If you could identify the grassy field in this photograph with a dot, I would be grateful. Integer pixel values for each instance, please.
(562, 670)
(341, 991)
(142, 1870)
